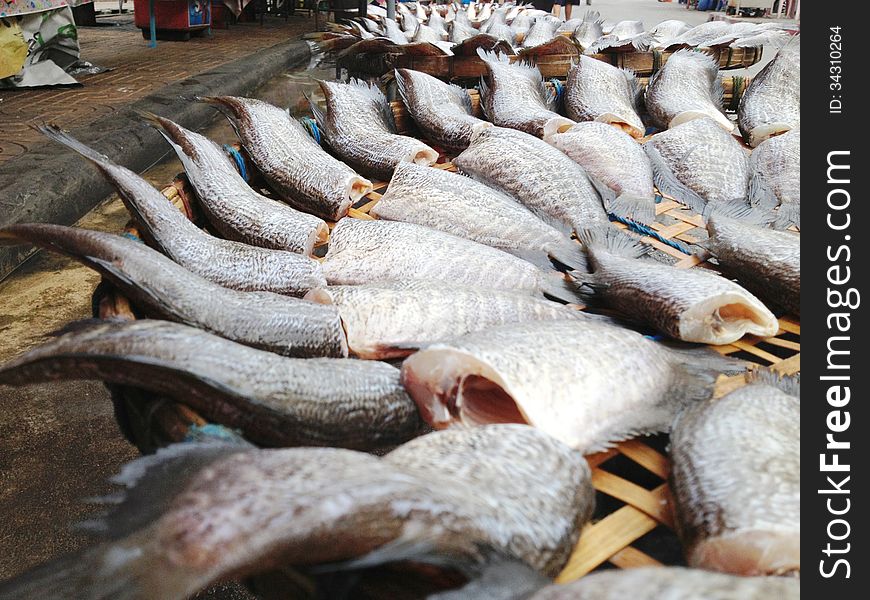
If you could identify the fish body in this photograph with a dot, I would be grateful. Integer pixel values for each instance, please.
(735, 479)
(358, 125)
(272, 400)
(424, 33)
(231, 511)
(163, 289)
(228, 263)
(441, 110)
(436, 22)
(389, 320)
(687, 87)
(469, 209)
(296, 167)
(700, 164)
(766, 262)
(771, 103)
(232, 207)
(692, 305)
(699, 35)
(393, 32)
(514, 95)
(622, 173)
(775, 177)
(540, 176)
(671, 583)
(569, 378)
(371, 251)
(597, 91)
(461, 31)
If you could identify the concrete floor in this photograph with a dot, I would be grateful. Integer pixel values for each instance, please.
(59, 442)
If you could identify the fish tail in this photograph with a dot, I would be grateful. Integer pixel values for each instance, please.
(790, 384)
(612, 241)
(555, 285)
(739, 210)
(58, 135)
(83, 575)
(627, 206)
(229, 105)
(788, 214)
(761, 195)
(569, 254)
(493, 57)
(668, 183)
(402, 84)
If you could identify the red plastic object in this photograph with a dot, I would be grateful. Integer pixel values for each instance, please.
(174, 15)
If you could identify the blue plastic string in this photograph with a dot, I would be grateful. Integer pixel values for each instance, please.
(131, 236)
(311, 125)
(240, 162)
(560, 88)
(648, 231)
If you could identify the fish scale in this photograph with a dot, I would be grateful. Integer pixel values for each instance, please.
(225, 262)
(163, 289)
(358, 126)
(735, 478)
(273, 400)
(540, 176)
(687, 87)
(367, 251)
(227, 509)
(596, 91)
(233, 208)
(771, 103)
(295, 166)
(466, 208)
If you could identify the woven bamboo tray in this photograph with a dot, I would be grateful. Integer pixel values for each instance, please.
(557, 65)
(633, 525)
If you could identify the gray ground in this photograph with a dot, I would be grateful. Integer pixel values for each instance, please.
(59, 442)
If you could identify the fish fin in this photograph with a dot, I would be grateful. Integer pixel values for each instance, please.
(668, 183)
(642, 42)
(380, 101)
(790, 384)
(634, 88)
(761, 195)
(400, 87)
(555, 285)
(788, 214)
(484, 94)
(493, 57)
(151, 483)
(739, 210)
(696, 369)
(539, 258)
(320, 119)
(612, 241)
(464, 98)
(627, 206)
(58, 135)
(589, 288)
(570, 254)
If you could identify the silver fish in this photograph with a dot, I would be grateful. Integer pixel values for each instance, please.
(232, 207)
(466, 208)
(163, 289)
(589, 29)
(542, 30)
(687, 87)
(274, 401)
(436, 22)
(615, 163)
(772, 103)
(586, 383)
(766, 262)
(461, 31)
(521, 24)
(597, 91)
(502, 31)
(425, 33)
(541, 177)
(295, 166)
(692, 305)
(369, 251)
(358, 125)
(735, 478)
(623, 34)
(775, 177)
(231, 264)
(388, 320)
(393, 32)
(514, 95)
(225, 509)
(699, 35)
(441, 110)
(700, 164)
(671, 583)
(668, 30)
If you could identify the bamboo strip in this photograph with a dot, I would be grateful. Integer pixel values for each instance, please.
(647, 457)
(752, 349)
(632, 558)
(652, 503)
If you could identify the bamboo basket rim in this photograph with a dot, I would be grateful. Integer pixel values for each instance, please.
(611, 539)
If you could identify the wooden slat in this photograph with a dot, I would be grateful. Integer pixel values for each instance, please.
(653, 503)
(601, 540)
(786, 324)
(632, 558)
(755, 351)
(788, 344)
(645, 456)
